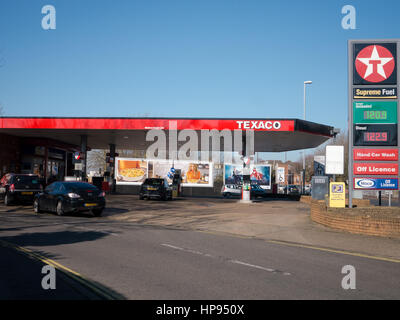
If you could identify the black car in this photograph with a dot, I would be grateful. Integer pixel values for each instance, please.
(19, 188)
(70, 197)
(292, 189)
(256, 191)
(155, 188)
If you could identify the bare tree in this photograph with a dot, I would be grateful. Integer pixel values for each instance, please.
(129, 153)
(96, 160)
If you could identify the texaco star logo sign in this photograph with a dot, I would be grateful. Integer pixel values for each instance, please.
(375, 63)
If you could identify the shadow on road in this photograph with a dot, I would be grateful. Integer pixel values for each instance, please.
(43, 239)
(22, 277)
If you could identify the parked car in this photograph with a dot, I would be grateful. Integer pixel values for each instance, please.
(281, 189)
(155, 188)
(256, 191)
(292, 189)
(19, 188)
(70, 197)
(234, 190)
(231, 190)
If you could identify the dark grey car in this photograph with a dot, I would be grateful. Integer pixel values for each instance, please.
(19, 188)
(155, 188)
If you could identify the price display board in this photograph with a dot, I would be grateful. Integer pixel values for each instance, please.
(375, 112)
(375, 134)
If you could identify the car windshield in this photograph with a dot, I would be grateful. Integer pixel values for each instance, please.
(79, 186)
(154, 182)
(26, 179)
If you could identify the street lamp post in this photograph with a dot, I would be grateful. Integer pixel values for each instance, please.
(304, 159)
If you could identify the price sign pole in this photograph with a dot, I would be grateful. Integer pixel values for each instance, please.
(373, 115)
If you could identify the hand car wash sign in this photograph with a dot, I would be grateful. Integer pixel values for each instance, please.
(373, 114)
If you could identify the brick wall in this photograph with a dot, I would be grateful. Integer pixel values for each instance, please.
(356, 202)
(305, 199)
(376, 221)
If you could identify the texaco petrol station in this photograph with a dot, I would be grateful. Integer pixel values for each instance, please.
(39, 144)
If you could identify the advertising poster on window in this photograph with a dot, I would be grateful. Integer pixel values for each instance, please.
(194, 174)
(233, 174)
(130, 171)
(259, 174)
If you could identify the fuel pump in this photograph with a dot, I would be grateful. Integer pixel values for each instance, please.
(246, 179)
(177, 183)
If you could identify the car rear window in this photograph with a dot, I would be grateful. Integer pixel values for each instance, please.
(26, 179)
(154, 182)
(78, 186)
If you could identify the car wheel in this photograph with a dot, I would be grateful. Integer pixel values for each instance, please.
(97, 212)
(7, 200)
(60, 210)
(36, 207)
(141, 197)
(227, 195)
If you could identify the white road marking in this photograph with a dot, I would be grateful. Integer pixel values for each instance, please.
(229, 260)
(187, 250)
(258, 267)
(171, 246)
(94, 230)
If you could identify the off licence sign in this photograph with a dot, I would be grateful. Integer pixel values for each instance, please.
(376, 184)
(376, 169)
(376, 154)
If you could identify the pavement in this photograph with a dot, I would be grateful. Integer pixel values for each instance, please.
(201, 249)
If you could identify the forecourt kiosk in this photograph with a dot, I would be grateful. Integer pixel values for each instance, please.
(270, 135)
(373, 79)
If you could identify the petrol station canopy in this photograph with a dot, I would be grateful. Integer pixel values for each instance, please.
(270, 135)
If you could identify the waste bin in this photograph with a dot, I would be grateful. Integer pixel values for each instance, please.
(98, 182)
(105, 186)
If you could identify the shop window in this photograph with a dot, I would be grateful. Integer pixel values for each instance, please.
(26, 166)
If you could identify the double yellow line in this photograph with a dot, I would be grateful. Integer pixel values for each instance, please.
(101, 291)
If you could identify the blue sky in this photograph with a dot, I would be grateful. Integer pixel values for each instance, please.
(183, 58)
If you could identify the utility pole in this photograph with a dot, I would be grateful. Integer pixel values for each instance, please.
(304, 159)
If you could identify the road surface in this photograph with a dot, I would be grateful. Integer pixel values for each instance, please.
(153, 262)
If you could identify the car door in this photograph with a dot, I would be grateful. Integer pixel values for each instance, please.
(43, 202)
(54, 195)
(46, 199)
